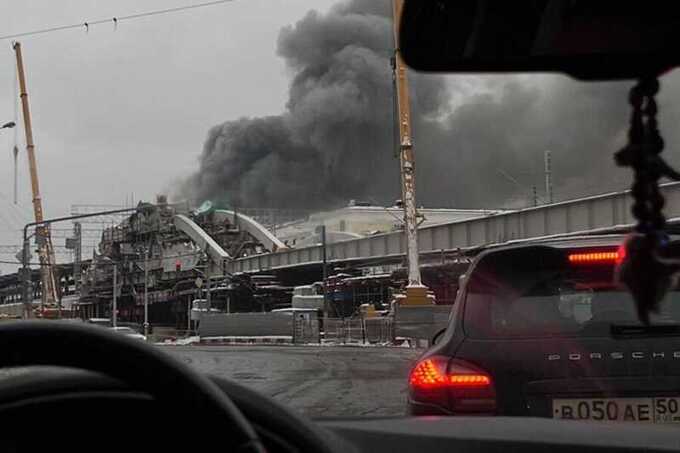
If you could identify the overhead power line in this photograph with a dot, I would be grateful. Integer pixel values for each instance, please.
(113, 20)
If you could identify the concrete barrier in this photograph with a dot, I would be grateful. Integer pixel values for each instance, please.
(246, 325)
(413, 322)
(420, 321)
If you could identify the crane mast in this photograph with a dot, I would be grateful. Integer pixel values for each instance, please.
(416, 292)
(45, 248)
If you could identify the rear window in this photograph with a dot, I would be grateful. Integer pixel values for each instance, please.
(538, 292)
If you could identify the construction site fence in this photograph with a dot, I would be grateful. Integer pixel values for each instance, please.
(420, 322)
(306, 330)
(245, 324)
(373, 330)
(295, 327)
(416, 324)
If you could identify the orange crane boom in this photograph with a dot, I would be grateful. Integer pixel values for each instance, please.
(416, 292)
(46, 251)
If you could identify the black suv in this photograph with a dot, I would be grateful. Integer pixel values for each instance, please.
(543, 329)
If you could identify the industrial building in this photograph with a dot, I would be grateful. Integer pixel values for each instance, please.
(361, 219)
(171, 245)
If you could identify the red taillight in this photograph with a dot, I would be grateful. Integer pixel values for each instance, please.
(598, 256)
(428, 374)
(435, 372)
(469, 380)
(454, 385)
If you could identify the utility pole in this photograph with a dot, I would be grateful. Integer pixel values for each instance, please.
(114, 314)
(548, 177)
(199, 284)
(188, 314)
(324, 269)
(47, 259)
(77, 254)
(26, 281)
(535, 195)
(416, 292)
(146, 293)
(208, 300)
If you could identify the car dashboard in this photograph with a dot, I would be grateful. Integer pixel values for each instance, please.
(500, 434)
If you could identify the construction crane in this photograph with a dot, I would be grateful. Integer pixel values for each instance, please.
(416, 292)
(44, 239)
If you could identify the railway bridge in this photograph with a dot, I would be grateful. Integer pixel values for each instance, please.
(585, 215)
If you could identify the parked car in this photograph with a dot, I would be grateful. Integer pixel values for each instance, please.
(130, 332)
(104, 322)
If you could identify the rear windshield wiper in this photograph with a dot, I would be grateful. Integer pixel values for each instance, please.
(623, 330)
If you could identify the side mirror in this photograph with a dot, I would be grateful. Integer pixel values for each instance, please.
(437, 336)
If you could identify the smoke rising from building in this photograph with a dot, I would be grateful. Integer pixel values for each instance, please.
(335, 140)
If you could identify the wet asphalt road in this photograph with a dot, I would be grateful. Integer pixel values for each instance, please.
(317, 381)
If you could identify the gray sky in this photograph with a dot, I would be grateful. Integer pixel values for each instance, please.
(127, 111)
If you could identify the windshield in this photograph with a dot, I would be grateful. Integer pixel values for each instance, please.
(263, 190)
(538, 292)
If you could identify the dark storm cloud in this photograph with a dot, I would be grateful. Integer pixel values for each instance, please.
(335, 140)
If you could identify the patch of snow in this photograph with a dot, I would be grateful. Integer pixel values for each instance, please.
(188, 340)
(249, 338)
(179, 341)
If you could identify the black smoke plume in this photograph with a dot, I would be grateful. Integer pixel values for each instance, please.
(479, 141)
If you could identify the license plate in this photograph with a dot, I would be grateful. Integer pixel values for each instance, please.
(641, 410)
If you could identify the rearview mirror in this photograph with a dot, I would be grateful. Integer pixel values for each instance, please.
(596, 40)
